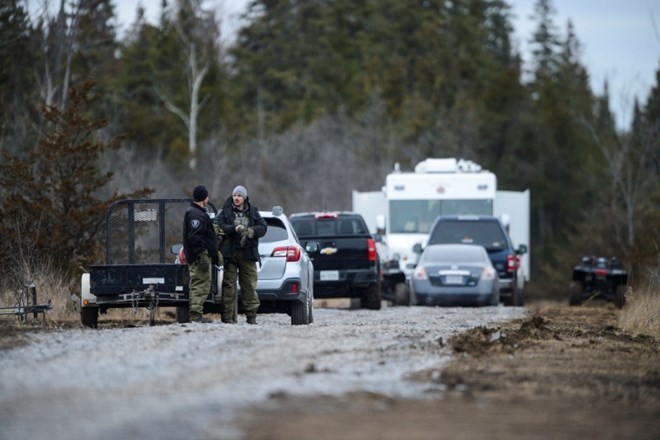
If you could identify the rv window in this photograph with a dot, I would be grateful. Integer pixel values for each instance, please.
(417, 216)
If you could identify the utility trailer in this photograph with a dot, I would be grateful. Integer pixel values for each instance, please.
(142, 240)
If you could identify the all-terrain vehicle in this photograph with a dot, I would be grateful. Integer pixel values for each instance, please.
(599, 278)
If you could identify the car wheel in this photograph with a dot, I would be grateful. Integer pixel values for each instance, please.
(576, 293)
(182, 315)
(515, 296)
(401, 295)
(89, 316)
(371, 298)
(495, 300)
(620, 296)
(521, 298)
(412, 297)
(299, 313)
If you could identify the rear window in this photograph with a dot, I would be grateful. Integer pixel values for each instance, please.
(460, 254)
(275, 232)
(488, 234)
(326, 227)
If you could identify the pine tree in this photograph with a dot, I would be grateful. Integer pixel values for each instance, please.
(94, 50)
(54, 204)
(17, 57)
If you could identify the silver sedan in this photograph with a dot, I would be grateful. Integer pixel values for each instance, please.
(455, 275)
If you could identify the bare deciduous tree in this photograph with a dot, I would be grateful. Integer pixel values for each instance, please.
(199, 32)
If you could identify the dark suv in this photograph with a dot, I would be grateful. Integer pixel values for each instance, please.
(346, 264)
(488, 232)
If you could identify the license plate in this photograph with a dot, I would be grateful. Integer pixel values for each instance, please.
(329, 275)
(453, 279)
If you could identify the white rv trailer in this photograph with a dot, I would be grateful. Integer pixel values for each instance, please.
(406, 207)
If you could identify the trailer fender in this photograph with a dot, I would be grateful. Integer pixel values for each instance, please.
(86, 298)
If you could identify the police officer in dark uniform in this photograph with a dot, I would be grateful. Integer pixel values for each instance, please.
(201, 248)
(242, 226)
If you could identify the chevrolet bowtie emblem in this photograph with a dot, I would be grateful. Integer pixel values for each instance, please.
(329, 251)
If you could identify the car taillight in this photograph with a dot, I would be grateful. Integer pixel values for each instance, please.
(511, 263)
(488, 273)
(600, 272)
(291, 253)
(294, 288)
(420, 273)
(371, 245)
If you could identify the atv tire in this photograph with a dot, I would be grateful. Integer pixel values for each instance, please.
(620, 296)
(575, 298)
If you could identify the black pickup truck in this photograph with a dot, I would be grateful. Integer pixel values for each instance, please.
(346, 264)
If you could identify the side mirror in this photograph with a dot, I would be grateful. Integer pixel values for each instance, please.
(417, 248)
(378, 238)
(522, 249)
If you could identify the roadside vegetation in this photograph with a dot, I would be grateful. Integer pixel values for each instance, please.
(641, 314)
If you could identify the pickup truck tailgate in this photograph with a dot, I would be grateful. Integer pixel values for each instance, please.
(342, 252)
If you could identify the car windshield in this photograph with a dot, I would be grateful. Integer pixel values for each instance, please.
(275, 232)
(488, 233)
(458, 254)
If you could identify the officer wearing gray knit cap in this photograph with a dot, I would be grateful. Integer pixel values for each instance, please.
(240, 191)
(240, 225)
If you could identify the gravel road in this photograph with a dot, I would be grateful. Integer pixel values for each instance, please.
(190, 380)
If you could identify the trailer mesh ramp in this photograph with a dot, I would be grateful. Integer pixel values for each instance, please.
(143, 231)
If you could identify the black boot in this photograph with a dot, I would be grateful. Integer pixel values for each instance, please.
(251, 319)
(200, 319)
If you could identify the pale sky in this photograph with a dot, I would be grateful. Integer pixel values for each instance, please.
(620, 40)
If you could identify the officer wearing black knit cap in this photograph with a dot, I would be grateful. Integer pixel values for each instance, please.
(241, 226)
(201, 247)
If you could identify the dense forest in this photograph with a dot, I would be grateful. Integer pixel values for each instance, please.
(311, 100)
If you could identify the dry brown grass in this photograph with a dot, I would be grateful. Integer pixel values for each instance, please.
(63, 295)
(51, 287)
(641, 314)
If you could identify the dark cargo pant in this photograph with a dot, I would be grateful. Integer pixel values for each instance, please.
(246, 271)
(200, 283)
